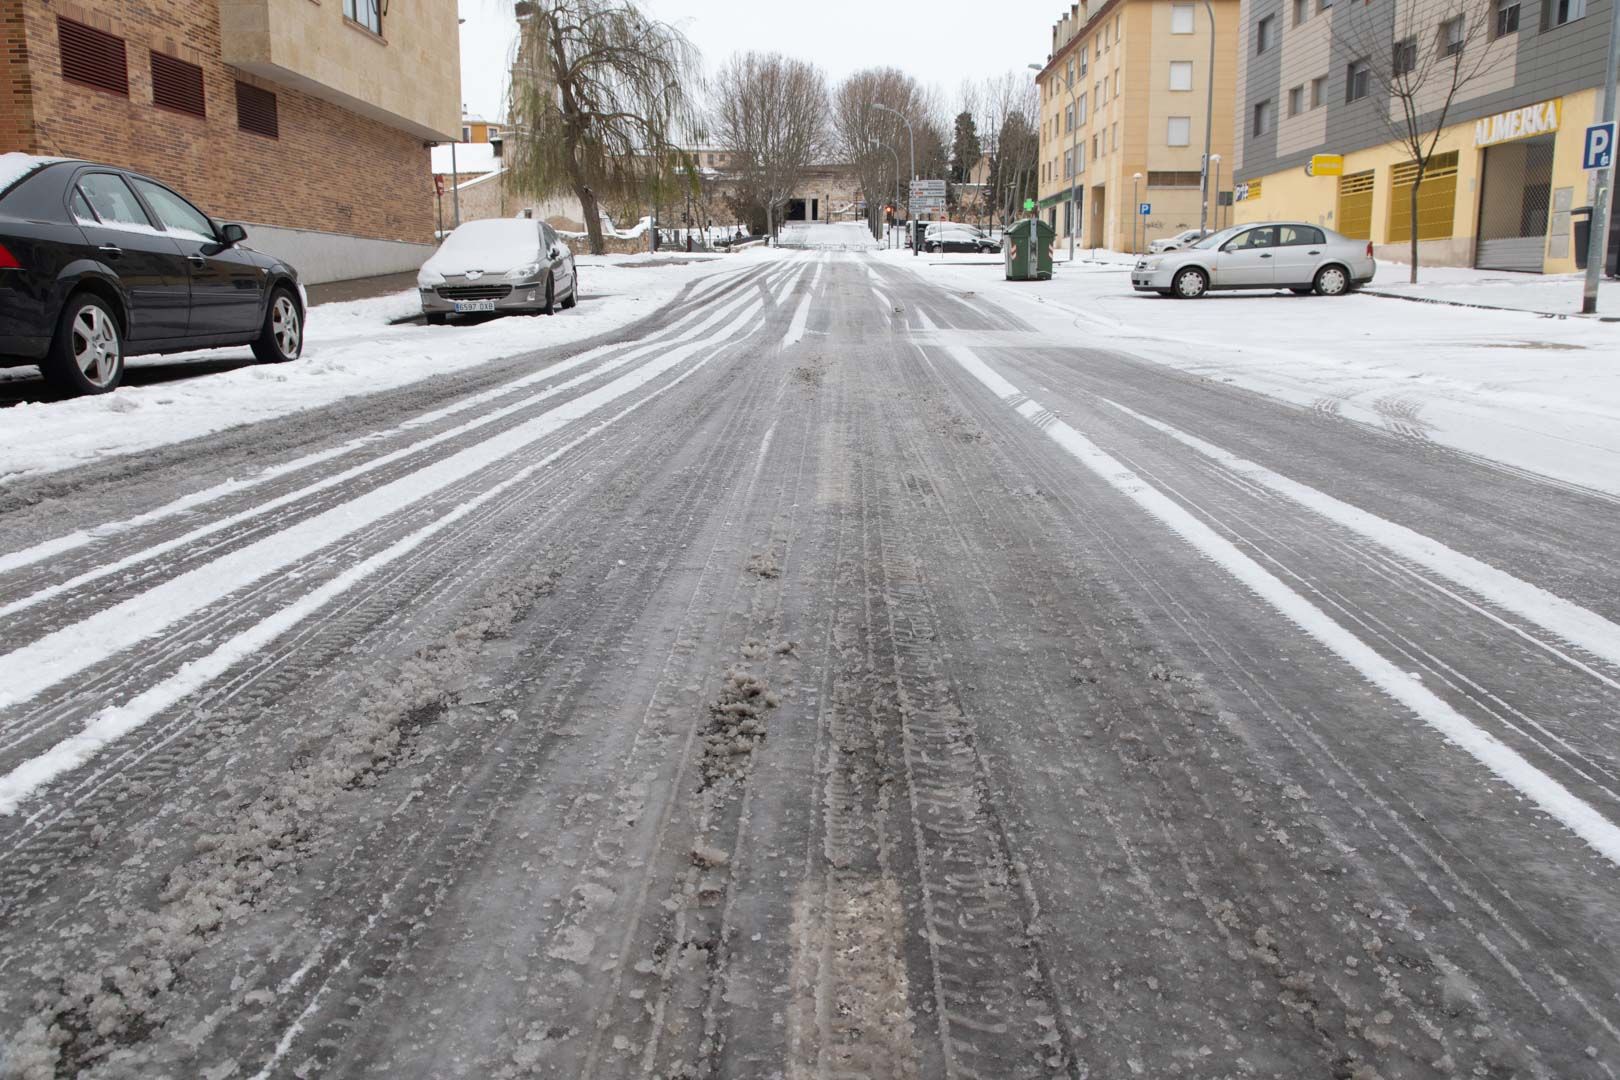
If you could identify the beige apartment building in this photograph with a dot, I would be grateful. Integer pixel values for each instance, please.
(1123, 105)
(309, 122)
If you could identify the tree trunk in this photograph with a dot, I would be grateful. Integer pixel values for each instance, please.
(770, 221)
(1417, 183)
(593, 217)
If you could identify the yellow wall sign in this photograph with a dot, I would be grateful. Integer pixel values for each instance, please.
(1538, 119)
(1325, 165)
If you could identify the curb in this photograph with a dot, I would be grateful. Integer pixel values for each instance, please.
(1486, 307)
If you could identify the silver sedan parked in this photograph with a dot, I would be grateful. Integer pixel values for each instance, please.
(498, 264)
(1290, 255)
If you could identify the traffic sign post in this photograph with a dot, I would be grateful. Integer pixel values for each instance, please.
(1597, 151)
(1144, 209)
(1597, 251)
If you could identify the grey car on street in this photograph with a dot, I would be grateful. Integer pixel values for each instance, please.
(1292, 255)
(498, 265)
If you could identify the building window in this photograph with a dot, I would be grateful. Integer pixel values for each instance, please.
(1179, 131)
(256, 111)
(1507, 17)
(1318, 91)
(1356, 80)
(1116, 138)
(1068, 118)
(93, 57)
(1068, 164)
(1265, 33)
(1102, 91)
(368, 13)
(177, 85)
(1181, 18)
(1451, 36)
(1296, 100)
(1094, 153)
(1405, 57)
(1559, 12)
(1190, 179)
(1263, 117)
(1302, 11)
(1116, 84)
(1181, 74)
(1083, 64)
(1080, 158)
(1082, 120)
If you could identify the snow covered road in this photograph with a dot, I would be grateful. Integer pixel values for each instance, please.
(837, 674)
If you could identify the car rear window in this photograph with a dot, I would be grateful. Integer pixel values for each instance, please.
(1295, 235)
(112, 199)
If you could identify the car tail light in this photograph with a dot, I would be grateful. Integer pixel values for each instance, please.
(8, 261)
(1369, 249)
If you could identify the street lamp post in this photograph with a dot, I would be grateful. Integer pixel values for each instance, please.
(1209, 123)
(1136, 225)
(911, 139)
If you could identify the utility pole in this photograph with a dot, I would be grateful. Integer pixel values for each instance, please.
(1136, 222)
(1209, 124)
(911, 139)
(1597, 246)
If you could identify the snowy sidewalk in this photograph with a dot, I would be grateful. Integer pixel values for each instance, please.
(1517, 387)
(351, 349)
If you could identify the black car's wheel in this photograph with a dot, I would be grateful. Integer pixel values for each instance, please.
(1190, 283)
(282, 338)
(434, 318)
(550, 306)
(87, 354)
(1332, 281)
(573, 290)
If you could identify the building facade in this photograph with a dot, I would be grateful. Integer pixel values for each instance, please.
(1124, 99)
(306, 120)
(1506, 173)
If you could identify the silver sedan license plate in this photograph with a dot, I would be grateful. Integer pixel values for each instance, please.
(464, 306)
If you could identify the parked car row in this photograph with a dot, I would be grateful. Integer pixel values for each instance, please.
(99, 263)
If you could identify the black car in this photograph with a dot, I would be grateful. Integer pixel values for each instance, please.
(951, 237)
(97, 263)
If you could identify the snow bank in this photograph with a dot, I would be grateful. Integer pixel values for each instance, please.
(350, 350)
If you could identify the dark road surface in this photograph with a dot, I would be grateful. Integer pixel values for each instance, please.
(827, 677)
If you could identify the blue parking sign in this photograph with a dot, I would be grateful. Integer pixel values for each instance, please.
(1598, 150)
(1145, 209)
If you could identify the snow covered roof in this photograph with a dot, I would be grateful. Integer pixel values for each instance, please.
(14, 166)
(471, 158)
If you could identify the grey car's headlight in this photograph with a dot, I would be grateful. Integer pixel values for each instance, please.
(426, 279)
(522, 273)
(1151, 264)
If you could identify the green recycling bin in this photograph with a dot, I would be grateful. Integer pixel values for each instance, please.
(1027, 246)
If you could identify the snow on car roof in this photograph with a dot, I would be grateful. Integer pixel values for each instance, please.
(14, 166)
(487, 244)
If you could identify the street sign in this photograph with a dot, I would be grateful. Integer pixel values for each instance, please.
(1144, 208)
(932, 188)
(1597, 152)
(924, 204)
(1325, 165)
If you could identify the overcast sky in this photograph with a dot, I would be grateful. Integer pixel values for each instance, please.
(938, 43)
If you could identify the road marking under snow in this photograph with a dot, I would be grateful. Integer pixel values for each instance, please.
(113, 723)
(1576, 625)
(146, 554)
(58, 656)
(1554, 798)
(795, 330)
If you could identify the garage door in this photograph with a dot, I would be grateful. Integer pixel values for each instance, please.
(1514, 198)
(1355, 205)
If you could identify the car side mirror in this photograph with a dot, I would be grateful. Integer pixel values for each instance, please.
(232, 234)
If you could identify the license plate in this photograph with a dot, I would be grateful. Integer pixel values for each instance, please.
(464, 306)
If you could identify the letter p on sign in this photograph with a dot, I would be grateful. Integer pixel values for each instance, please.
(1598, 152)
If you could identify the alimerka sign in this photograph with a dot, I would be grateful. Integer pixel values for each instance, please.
(1537, 119)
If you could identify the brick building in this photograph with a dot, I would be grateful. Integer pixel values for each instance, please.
(307, 120)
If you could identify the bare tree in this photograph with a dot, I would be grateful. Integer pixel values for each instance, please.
(1414, 59)
(1007, 131)
(863, 131)
(770, 113)
(600, 93)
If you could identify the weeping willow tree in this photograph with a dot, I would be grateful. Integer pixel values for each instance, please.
(600, 94)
